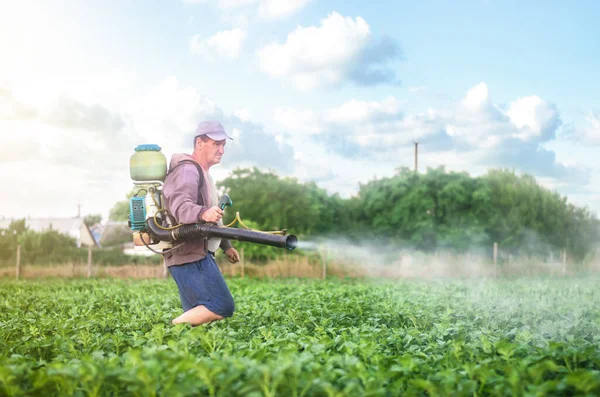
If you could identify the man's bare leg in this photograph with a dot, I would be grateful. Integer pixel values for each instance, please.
(196, 316)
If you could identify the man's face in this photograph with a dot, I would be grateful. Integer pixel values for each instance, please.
(213, 151)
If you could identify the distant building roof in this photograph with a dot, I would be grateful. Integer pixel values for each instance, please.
(115, 233)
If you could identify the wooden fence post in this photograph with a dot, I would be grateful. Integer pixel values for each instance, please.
(242, 261)
(564, 261)
(495, 259)
(89, 263)
(18, 271)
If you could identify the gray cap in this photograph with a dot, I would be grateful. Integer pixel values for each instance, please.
(212, 129)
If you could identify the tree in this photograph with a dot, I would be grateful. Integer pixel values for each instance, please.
(8, 239)
(436, 209)
(91, 220)
(120, 210)
(277, 203)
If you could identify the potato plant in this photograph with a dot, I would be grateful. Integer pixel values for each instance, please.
(303, 338)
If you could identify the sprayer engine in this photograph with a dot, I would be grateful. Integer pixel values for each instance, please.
(147, 169)
(154, 230)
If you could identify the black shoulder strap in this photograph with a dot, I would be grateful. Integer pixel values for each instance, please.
(200, 173)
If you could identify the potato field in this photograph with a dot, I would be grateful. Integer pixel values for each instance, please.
(296, 337)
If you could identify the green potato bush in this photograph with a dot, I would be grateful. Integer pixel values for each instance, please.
(293, 337)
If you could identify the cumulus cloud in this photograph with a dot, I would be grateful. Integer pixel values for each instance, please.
(72, 114)
(535, 118)
(355, 111)
(11, 108)
(591, 132)
(303, 121)
(341, 49)
(267, 9)
(62, 131)
(276, 9)
(235, 3)
(253, 146)
(223, 44)
(69, 132)
(169, 114)
(72, 150)
(477, 130)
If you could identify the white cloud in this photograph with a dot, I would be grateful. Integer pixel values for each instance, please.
(340, 49)
(474, 132)
(86, 148)
(417, 89)
(169, 113)
(535, 118)
(267, 9)
(297, 120)
(223, 44)
(360, 111)
(235, 3)
(591, 132)
(477, 97)
(242, 114)
(276, 9)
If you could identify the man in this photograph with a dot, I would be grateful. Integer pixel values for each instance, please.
(190, 195)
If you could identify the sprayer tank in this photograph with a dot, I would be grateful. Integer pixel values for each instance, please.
(148, 163)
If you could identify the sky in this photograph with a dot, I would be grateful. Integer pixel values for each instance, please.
(334, 92)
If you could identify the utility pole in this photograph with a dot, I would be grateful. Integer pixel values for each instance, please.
(416, 157)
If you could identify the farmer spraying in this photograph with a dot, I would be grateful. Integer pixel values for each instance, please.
(177, 214)
(190, 196)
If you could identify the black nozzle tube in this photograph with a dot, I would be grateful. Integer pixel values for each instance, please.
(196, 230)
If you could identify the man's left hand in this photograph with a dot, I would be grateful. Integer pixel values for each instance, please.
(233, 255)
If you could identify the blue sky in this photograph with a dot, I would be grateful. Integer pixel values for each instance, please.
(330, 91)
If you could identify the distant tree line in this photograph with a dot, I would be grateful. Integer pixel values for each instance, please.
(429, 211)
(424, 211)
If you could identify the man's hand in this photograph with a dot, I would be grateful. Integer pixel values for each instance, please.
(233, 255)
(213, 214)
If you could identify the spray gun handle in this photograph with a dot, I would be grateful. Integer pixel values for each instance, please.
(224, 201)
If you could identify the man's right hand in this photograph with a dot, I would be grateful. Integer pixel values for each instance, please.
(213, 214)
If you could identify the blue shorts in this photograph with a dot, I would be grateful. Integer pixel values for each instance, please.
(201, 283)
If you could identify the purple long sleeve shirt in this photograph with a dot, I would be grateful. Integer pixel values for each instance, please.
(186, 202)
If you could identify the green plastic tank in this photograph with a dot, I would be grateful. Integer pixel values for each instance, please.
(148, 163)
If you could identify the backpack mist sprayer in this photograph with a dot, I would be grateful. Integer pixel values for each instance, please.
(155, 229)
